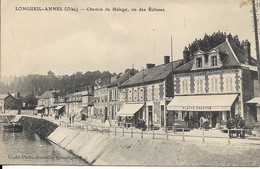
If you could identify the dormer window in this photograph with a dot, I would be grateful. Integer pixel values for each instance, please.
(214, 60)
(199, 62)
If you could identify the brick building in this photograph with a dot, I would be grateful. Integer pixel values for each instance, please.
(113, 102)
(215, 83)
(144, 97)
(107, 101)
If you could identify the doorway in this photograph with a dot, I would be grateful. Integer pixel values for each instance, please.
(162, 115)
(150, 116)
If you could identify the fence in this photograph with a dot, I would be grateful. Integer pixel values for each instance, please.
(169, 133)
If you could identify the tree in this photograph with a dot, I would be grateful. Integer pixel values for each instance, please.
(210, 41)
(30, 101)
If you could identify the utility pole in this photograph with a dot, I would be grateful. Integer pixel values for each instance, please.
(172, 69)
(256, 41)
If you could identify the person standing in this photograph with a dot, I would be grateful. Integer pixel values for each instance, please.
(70, 118)
(73, 116)
(186, 119)
(202, 119)
(191, 121)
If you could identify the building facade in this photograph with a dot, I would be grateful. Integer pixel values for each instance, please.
(216, 84)
(9, 102)
(113, 102)
(80, 104)
(50, 103)
(144, 97)
(106, 102)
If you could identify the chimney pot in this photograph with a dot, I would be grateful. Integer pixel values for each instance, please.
(247, 49)
(150, 65)
(166, 59)
(186, 55)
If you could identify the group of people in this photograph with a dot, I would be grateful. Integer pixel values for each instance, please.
(191, 122)
(237, 123)
(204, 122)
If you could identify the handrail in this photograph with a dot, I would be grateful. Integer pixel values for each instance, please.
(167, 135)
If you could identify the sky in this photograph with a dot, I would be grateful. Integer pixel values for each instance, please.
(35, 42)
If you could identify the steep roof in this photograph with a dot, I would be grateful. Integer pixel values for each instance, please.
(150, 75)
(123, 78)
(233, 57)
(3, 96)
(48, 94)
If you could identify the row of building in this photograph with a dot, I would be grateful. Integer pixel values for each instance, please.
(219, 83)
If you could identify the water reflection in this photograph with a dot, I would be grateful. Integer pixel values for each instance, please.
(27, 148)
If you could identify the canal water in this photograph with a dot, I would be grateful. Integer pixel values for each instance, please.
(27, 148)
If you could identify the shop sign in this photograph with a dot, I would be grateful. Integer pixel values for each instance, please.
(200, 108)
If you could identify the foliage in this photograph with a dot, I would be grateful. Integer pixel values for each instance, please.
(35, 84)
(30, 101)
(210, 41)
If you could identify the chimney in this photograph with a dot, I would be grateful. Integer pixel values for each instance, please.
(18, 95)
(186, 55)
(166, 60)
(150, 65)
(247, 49)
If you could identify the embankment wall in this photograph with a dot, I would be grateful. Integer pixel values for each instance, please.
(43, 128)
(98, 149)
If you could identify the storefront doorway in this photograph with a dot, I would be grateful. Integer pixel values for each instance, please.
(150, 116)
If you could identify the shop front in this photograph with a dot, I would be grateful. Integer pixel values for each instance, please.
(217, 109)
(130, 115)
(40, 109)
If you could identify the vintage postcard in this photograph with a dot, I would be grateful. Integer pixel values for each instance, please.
(130, 83)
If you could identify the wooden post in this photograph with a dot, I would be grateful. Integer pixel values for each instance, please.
(203, 139)
(167, 137)
(142, 136)
(183, 139)
(132, 132)
(228, 137)
(173, 129)
(108, 132)
(153, 132)
(123, 132)
(115, 131)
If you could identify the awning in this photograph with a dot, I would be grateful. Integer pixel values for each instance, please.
(255, 100)
(58, 107)
(129, 109)
(202, 103)
(39, 107)
(84, 110)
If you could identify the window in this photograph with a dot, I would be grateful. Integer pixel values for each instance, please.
(130, 95)
(135, 94)
(141, 94)
(199, 84)
(213, 60)
(229, 84)
(214, 85)
(115, 94)
(185, 86)
(199, 62)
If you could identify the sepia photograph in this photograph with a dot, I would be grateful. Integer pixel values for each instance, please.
(158, 83)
